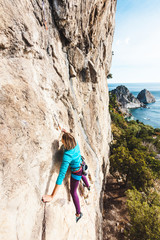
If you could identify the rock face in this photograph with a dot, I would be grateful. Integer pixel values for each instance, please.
(125, 98)
(146, 97)
(54, 61)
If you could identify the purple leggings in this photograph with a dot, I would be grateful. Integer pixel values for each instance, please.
(73, 186)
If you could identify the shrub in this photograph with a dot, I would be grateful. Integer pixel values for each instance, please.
(144, 214)
(131, 167)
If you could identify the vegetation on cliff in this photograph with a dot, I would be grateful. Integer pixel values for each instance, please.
(135, 161)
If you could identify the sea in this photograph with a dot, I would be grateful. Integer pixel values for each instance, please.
(151, 114)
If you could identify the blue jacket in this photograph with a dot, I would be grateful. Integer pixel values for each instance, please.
(73, 159)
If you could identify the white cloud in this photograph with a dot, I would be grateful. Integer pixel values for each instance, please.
(127, 40)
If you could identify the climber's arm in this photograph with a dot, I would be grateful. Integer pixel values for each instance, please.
(62, 173)
(55, 190)
(48, 198)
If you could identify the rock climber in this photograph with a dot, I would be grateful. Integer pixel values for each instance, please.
(72, 158)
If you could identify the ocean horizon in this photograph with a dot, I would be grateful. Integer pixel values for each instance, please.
(151, 114)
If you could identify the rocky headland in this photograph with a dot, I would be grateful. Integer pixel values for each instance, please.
(126, 100)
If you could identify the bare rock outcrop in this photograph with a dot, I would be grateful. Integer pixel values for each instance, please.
(146, 97)
(125, 98)
(54, 61)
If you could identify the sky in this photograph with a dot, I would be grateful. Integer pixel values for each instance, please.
(136, 44)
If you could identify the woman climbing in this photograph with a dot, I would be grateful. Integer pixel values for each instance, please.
(72, 158)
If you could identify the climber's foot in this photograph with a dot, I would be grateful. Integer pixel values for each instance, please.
(78, 216)
(84, 185)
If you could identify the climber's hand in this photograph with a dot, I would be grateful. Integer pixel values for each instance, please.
(63, 130)
(47, 198)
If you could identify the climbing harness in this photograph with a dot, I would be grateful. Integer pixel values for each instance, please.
(44, 15)
(84, 166)
(76, 171)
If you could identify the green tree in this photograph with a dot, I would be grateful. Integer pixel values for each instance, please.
(131, 167)
(109, 76)
(144, 214)
(122, 162)
(154, 165)
(141, 177)
(133, 156)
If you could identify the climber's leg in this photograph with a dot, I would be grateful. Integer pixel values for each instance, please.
(73, 186)
(85, 181)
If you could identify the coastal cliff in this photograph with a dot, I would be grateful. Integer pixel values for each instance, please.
(55, 57)
(125, 98)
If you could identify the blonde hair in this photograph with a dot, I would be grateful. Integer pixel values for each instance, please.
(69, 141)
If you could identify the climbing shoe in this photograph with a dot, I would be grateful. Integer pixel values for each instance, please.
(84, 185)
(77, 218)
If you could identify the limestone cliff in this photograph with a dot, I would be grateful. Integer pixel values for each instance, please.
(54, 60)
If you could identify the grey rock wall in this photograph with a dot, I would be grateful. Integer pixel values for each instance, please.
(60, 69)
